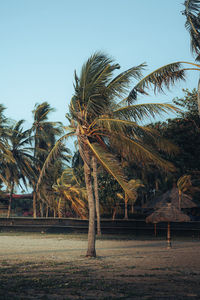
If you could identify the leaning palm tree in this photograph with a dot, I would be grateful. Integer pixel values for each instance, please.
(44, 135)
(104, 115)
(70, 193)
(100, 119)
(46, 194)
(21, 169)
(134, 184)
(5, 132)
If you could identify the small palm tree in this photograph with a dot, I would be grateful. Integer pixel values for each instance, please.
(21, 169)
(185, 185)
(69, 192)
(134, 185)
(44, 135)
(46, 194)
(5, 154)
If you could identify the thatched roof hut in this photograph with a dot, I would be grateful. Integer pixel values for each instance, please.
(168, 213)
(172, 196)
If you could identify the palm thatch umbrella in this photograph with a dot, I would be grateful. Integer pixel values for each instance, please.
(172, 196)
(168, 213)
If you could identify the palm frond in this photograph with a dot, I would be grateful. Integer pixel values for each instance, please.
(159, 79)
(134, 149)
(120, 84)
(109, 162)
(142, 112)
(113, 125)
(52, 156)
(192, 24)
(94, 75)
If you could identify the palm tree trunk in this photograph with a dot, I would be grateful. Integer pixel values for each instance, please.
(47, 211)
(60, 213)
(198, 97)
(34, 204)
(10, 200)
(179, 199)
(126, 206)
(96, 193)
(41, 210)
(91, 251)
(91, 230)
(114, 213)
(168, 236)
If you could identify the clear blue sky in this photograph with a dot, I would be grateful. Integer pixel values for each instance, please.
(44, 41)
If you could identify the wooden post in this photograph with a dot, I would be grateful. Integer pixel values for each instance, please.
(168, 236)
(155, 229)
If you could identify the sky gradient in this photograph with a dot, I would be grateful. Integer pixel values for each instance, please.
(44, 41)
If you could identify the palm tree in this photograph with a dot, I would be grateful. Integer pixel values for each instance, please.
(101, 120)
(46, 193)
(5, 154)
(44, 135)
(192, 24)
(70, 193)
(186, 185)
(21, 169)
(134, 185)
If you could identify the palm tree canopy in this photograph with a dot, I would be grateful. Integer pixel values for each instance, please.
(19, 146)
(69, 191)
(192, 24)
(171, 196)
(102, 119)
(5, 132)
(44, 131)
(167, 213)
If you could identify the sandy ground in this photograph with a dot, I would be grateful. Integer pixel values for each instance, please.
(123, 269)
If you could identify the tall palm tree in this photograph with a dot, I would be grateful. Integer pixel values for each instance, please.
(101, 120)
(44, 135)
(19, 170)
(104, 115)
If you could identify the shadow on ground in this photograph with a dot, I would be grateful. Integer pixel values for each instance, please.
(94, 279)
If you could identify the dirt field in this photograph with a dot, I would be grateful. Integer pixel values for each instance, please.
(41, 266)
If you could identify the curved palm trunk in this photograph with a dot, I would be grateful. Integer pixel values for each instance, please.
(114, 213)
(126, 206)
(91, 251)
(34, 204)
(198, 97)
(179, 199)
(47, 211)
(41, 210)
(60, 208)
(91, 230)
(10, 200)
(96, 193)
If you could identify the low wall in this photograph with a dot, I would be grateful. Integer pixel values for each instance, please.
(56, 225)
